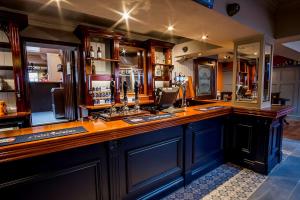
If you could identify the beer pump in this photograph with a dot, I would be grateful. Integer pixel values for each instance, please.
(125, 99)
(113, 109)
(136, 96)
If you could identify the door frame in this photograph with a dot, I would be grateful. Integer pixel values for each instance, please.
(76, 75)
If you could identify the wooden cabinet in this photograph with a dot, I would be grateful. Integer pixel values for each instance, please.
(254, 142)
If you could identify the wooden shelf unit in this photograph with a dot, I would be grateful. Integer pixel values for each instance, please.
(11, 24)
(87, 34)
(165, 49)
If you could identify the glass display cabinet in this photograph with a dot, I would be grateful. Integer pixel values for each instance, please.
(133, 68)
(252, 72)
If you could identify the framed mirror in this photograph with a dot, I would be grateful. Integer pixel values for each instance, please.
(247, 59)
(204, 70)
(132, 68)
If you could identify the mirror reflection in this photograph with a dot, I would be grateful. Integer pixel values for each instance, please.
(267, 73)
(132, 68)
(247, 72)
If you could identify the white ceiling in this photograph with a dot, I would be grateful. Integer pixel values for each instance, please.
(190, 19)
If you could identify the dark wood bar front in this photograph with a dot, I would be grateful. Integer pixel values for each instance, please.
(117, 160)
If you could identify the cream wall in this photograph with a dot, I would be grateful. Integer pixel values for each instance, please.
(53, 60)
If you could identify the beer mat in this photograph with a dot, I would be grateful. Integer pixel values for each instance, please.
(41, 135)
(142, 119)
(209, 108)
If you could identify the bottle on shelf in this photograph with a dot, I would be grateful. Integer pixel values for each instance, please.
(93, 68)
(92, 53)
(99, 53)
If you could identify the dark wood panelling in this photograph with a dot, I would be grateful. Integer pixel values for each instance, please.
(79, 174)
(148, 165)
(254, 142)
(161, 160)
(203, 148)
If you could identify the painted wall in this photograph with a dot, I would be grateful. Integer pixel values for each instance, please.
(252, 13)
(287, 81)
(53, 60)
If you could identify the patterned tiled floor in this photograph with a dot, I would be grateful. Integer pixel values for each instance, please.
(225, 182)
(231, 182)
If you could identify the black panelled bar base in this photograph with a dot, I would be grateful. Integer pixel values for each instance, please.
(145, 166)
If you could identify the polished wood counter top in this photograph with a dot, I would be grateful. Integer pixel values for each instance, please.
(101, 131)
(98, 131)
(274, 112)
(15, 115)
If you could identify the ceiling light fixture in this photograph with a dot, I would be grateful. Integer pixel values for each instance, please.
(125, 15)
(255, 53)
(204, 37)
(170, 28)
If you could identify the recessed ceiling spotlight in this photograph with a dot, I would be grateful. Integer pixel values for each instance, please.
(204, 37)
(200, 54)
(125, 15)
(170, 28)
(255, 53)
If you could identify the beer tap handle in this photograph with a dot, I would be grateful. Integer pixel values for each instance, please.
(112, 91)
(125, 91)
(136, 90)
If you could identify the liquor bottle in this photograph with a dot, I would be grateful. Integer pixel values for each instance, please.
(92, 53)
(99, 53)
(93, 68)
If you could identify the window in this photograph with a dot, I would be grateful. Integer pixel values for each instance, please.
(33, 76)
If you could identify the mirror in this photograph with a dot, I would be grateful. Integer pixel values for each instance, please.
(132, 68)
(204, 85)
(247, 72)
(267, 73)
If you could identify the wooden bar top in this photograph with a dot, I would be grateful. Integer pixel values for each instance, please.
(15, 115)
(100, 131)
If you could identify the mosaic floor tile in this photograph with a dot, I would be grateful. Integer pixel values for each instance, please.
(228, 181)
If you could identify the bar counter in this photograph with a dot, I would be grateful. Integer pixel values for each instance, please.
(116, 160)
(101, 131)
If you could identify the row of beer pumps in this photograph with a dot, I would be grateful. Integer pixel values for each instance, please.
(125, 108)
(180, 81)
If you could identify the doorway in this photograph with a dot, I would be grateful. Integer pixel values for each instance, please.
(51, 82)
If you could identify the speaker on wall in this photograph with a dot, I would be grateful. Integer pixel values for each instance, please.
(232, 9)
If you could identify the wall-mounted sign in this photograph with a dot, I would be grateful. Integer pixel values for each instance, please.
(207, 3)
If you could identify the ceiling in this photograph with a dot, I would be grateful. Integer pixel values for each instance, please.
(148, 17)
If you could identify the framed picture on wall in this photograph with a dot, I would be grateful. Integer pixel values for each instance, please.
(204, 78)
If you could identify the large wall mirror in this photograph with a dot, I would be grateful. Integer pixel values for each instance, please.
(133, 68)
(247, 60)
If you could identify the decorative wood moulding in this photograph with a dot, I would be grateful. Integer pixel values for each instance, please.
(82, 30)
